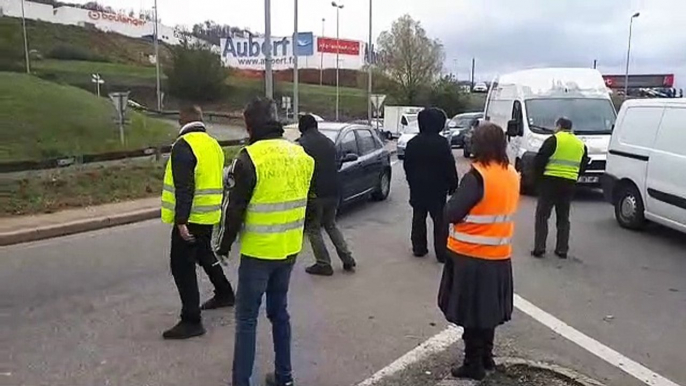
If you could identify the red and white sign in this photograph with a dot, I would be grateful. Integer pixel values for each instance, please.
(119, 18)
(333, 46)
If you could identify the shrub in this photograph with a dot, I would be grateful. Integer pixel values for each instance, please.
(71, 52)
(196, 73)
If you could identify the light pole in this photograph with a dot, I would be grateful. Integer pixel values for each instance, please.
(26, 39)
(296, 45)
(268, 76)
(338, 53)
(370, 55)
(157, 61)
(321, 57)
(628, 55)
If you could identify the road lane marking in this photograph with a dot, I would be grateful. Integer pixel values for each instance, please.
(437, 343)
(452, 334)
(591, 345)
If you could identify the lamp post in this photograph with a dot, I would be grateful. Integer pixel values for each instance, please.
(268, 75)
(157, 61)
(628, 54)
(370, 56)
(296, 45)
(321, 57)
(338, 53)
(26, 39)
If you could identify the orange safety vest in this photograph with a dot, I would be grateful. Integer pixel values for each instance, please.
(486, 232)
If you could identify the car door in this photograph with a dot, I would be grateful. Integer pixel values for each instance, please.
(515, 142)
(666, 181)
(351, 173)
(372, 163)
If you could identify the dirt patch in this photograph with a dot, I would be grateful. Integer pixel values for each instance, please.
(523, 375)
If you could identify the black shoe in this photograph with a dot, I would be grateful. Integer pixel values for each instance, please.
(561, 255)
(349, 267)
(420, 254)
(270, 380)
(320, 270)
(537, 254)
(441, 259)
(219, 302)
(184, 330)
(469, 371)
(489, 363)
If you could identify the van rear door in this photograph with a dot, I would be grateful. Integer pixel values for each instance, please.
(666, 182)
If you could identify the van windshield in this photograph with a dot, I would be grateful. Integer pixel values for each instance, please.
(589, 116)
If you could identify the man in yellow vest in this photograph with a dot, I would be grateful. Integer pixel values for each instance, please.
(267, 203)
(191, 200)
(559, 162)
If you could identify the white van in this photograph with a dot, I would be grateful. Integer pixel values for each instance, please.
(646, 165)
(528, 103)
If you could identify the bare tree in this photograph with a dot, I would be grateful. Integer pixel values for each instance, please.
(409, 57)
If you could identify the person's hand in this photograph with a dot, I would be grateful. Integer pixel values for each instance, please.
(185, 233)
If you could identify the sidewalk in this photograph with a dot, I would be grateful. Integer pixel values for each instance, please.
(15, 230)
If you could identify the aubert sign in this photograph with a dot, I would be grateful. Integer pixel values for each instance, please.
(250, 53)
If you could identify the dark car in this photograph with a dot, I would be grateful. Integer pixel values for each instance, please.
(467, 138)
(459, 125)
(365, 169)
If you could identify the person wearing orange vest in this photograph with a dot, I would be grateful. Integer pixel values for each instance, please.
(476, 290)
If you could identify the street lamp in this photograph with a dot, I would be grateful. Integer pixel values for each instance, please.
(321, 57)
(26, 38)
(628, 55)
(268, 75)
(370, 56)
(338, 53)
(296, 46)
(157, 61)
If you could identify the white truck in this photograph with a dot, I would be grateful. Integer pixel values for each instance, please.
(397, 118)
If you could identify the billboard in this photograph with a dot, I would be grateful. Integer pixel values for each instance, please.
(343, 47)
(249, 53)
(640, 81)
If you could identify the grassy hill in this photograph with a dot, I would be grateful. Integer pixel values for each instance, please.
(40, 119)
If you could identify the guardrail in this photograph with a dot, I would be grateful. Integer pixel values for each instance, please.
(61, 162)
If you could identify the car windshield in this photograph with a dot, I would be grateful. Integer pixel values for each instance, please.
(464, 120)
(589, 116)
(331, 134)
(412, 128)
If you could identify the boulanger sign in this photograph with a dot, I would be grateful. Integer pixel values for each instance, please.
(117, 18)
(250, 53)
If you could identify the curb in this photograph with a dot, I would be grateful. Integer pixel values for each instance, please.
(80, 226)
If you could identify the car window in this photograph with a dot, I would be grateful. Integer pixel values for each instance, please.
(403, 121)
(365, 141)
(348, 144)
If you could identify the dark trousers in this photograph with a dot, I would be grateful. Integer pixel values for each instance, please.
(554, 193)
(478, 344)
(321, 212)
(255, 278)
(184, 258)
(419, 233)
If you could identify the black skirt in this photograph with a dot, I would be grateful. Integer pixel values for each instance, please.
(476, 293)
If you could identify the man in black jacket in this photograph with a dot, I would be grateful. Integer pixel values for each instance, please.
(432, 175)
(323, 202)
(191, 243)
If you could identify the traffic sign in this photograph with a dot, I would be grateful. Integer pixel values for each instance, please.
(377, 100)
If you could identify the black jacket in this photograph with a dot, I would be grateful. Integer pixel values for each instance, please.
(183, 170)
(325, 183)
(242, 180)
(430, 168)
(547, 150)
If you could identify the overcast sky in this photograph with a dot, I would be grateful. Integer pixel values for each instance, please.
(502, 35)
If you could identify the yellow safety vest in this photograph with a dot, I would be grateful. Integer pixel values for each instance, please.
(566, 161)
(275, 217)
(207, 197)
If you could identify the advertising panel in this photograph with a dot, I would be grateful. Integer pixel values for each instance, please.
(640, 81)
(249, 53)
(343, 47)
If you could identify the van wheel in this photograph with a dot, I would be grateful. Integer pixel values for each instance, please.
(383, 188)
(629, 209)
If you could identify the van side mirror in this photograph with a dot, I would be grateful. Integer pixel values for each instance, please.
(514, 129)
(350, 157)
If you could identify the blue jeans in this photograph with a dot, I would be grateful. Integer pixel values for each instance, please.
(255, 278)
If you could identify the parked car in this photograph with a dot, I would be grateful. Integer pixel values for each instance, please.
(365, 170)
(410, 132)
(459, 125)
(645, 176)
(480, 87)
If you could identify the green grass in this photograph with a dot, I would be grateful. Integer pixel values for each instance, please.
(86, 186)
(41, 119)
(88, 68)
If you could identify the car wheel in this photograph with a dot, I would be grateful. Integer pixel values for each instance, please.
(383, 188)
(526, 187)
(466, 153)
(629, 209)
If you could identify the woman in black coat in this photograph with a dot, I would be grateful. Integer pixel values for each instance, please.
(476, 290)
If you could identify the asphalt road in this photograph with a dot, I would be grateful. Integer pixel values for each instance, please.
(89, 309)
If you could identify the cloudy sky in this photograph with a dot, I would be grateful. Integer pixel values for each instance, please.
(502, 35)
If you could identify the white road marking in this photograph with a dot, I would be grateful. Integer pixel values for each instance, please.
(437, 343)
(452, 334)
(591, 345)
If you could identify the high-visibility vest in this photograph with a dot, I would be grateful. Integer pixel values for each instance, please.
(208, 177)
(486, 232)
(275, 217)
(566, 161)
